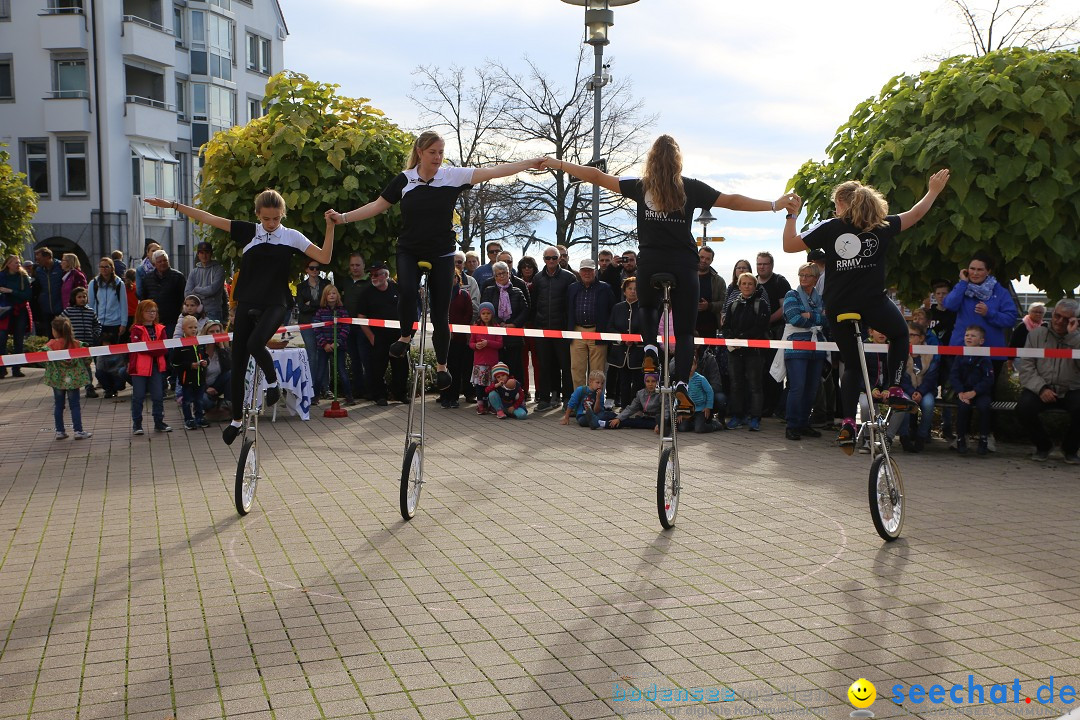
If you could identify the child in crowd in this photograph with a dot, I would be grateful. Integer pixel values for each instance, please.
(485, 355)
(505, 394)
(587, 403)
(189, 363)
(84, 326)
(972, 379)
(331, 306)
(644, 410)
(147, 368)
(132, 300)
(218, 368)
(877, 367)
(65, 377)
(701, 393)
(192, 307)
(920, 382)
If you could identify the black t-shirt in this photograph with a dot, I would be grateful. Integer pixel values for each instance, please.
(265, 262)
(854, 260)
(379, 305)
(427, 209)
(668, 231)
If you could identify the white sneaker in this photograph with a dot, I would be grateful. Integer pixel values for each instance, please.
(61, 435)
(990, 445)
(81, 435)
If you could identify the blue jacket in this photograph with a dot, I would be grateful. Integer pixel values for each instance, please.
(972, 373)
(1000, 316)
(793, 310)
(701, 392)
(109, 301)
(50, 282)
(605, 302)
(581, 396)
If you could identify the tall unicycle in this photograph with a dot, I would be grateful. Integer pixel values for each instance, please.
(412, 464)
(247, 466)
(667, 473)
(886, 486)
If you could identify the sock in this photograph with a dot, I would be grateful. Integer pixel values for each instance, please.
(273, 384)
(602, 423)
(237, 424)
(651, 347)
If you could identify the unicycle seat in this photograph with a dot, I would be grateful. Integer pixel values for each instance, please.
(659, 280)
(842, 317)
(424, 266)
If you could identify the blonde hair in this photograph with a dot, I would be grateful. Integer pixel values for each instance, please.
(597, 375)
(749, 275)
(811, 267)
(72, 259)
(18, 266)
(326, 291)
(270, 199)
(866, 208)
(662, 179)
(426, 140)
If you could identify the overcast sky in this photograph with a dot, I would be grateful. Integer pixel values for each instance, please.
(750, 90)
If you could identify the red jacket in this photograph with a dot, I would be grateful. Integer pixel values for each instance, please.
(142, 364)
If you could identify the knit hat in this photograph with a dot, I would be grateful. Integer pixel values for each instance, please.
(499, 367)
(487, 306)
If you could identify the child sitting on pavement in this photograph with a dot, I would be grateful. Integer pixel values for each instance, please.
(587, 403)
(972, 378)
(485, 355)
(644, 410)
(701, 393)
(505, 394)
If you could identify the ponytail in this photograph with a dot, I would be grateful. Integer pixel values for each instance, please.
(865, 207)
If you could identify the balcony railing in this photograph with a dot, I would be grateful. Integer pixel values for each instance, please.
(146, 23)
(61, 11)
(65, 94)
(150, 102)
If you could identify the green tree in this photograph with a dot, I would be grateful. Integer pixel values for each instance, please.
(18, 205)
(320, 150)
(1007, 124)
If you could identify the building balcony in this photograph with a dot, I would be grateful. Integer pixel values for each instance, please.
(147, 41)
(67, 112)
(150, 119)
(63, 30)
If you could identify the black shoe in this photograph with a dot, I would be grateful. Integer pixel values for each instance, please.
(382, 402)
(453, 405)
(961, 445)
(273, 394)
(983, 448)
(162, 427)
(907, 443)
(110, 394)
(919, 444)
(792, 434)
(683, 404)
(3, 373)
(17, 372)
(651, 363)
(229, 433)
(399, 349)
(809, 432)
(136, 429)
(542, 406)
(91, 393)
(443, 380)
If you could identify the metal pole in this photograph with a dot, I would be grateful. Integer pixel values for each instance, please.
(598, 83)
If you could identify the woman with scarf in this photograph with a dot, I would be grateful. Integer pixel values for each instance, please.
(511, 310)
(805, 316)
(978, 299)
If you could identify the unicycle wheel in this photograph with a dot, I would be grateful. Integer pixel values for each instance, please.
(412, 470)
(247, 477)
(886, 490)
(667, 488)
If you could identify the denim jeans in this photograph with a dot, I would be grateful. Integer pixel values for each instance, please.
(316, 360)
(72, 397)
(980, 402)
(193, 401)
(803, 378)
(221, 384)
(140, 384)
(327, 360)
(926, 418)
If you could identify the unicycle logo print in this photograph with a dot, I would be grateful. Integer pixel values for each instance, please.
(853, 249)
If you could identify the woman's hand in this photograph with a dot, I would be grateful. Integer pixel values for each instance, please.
(963, 274)
(790, 202)
(981, 308)
(6, 290)
(805, 315)
(158, 202)
(938, 181)
(334, 217)
(481, 344)
(613, 423)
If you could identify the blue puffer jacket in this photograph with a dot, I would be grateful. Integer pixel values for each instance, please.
(1000, 315)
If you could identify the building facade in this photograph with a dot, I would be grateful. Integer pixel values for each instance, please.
(104, 102)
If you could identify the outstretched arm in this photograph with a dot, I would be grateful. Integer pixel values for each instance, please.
(373, 208)
(788, 201)
(192, 212)
(793, 241)
(584, 172)
(505, 170)
(937, 183)
(323, 254)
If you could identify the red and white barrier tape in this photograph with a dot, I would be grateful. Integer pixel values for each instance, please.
(121, 349)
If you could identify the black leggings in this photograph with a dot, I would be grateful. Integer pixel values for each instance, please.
(440, 288)
(882, 315)
(684, 302)
(253, 327)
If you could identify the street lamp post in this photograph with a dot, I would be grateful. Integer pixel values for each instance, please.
(705, 217)
(598, 18)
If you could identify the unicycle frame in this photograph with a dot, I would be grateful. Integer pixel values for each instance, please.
(250, 423)
(668, 455)
(876, 426)
(412, 458)
(667, 393)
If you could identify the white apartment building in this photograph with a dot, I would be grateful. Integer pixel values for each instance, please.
(104, 102)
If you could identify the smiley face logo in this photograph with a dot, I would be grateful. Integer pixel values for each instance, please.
(862, 693)
(848, 246)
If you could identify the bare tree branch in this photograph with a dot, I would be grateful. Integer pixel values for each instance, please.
(1026, 24)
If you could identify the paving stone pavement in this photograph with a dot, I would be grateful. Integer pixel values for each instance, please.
(535, 581)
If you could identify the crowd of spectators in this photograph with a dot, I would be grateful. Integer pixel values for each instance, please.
(599, 383)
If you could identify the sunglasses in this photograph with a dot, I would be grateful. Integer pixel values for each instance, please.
(564, 255)
(494, 252)
(550, 257)
(312, 267)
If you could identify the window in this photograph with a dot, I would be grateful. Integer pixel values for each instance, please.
(36, 165)
(213, 108)
(211, 45)
(5, 10)
(223, 4)
(73, 165)
(178, 24)
(258, 54)
(255, 108)
(69, 78)
(7, 79)
(155, 173)
(56, 7)
(181, 99)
